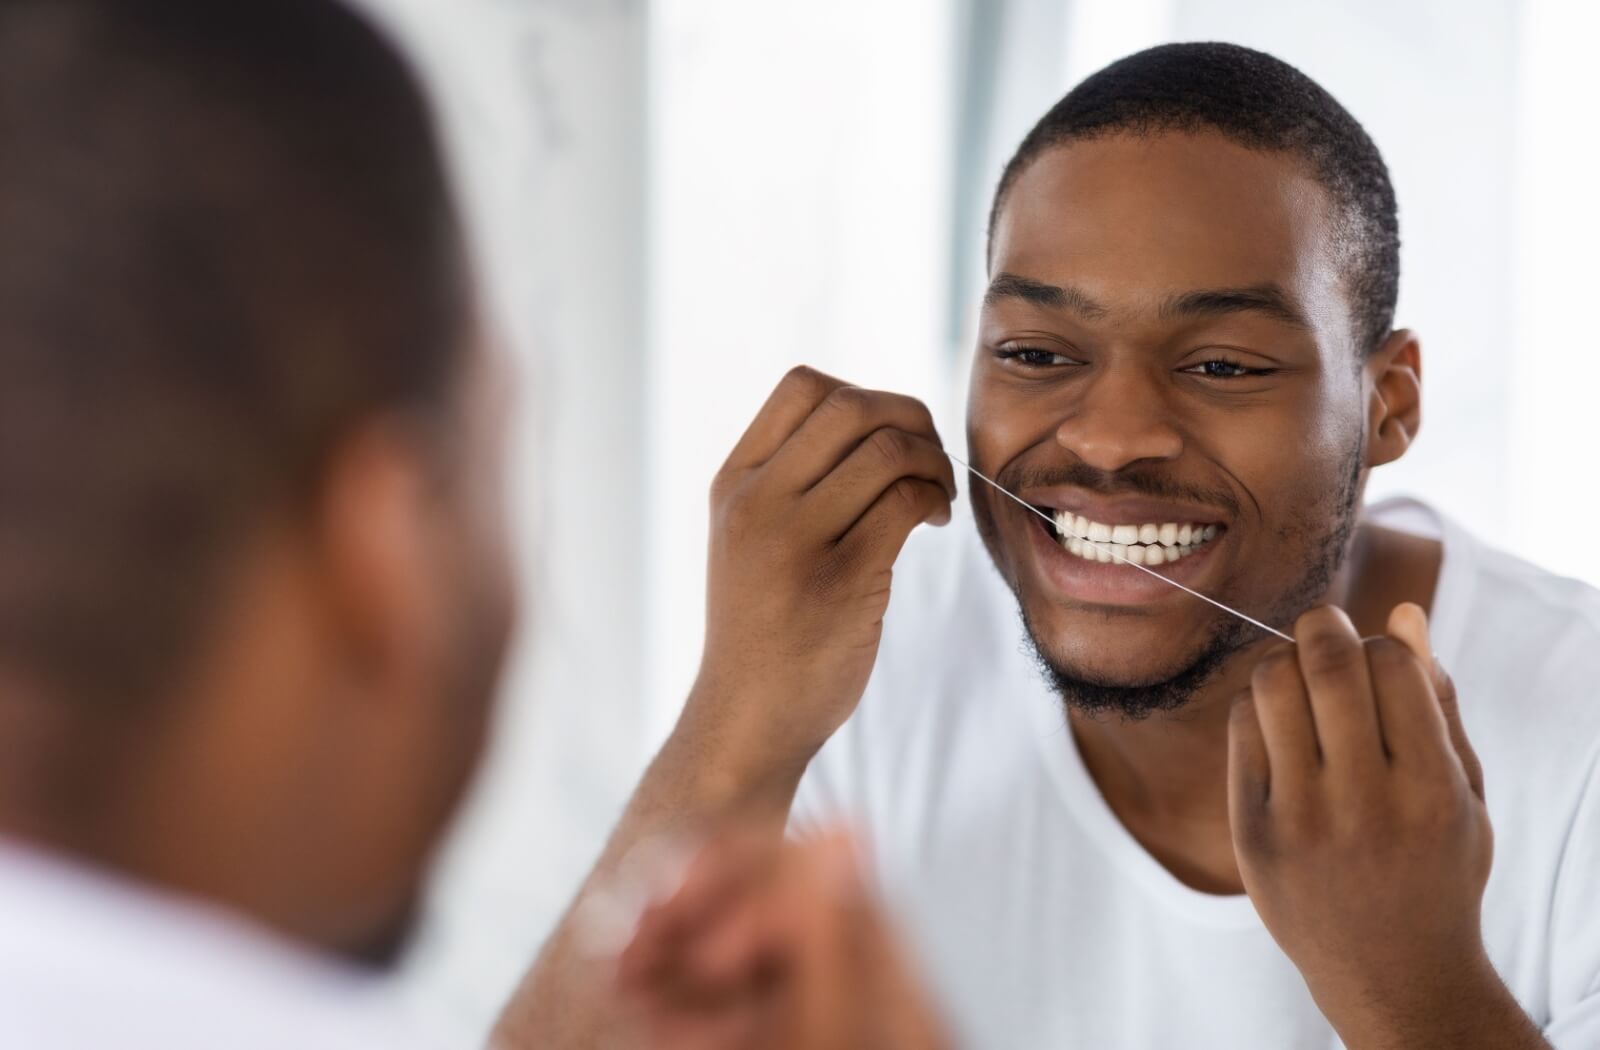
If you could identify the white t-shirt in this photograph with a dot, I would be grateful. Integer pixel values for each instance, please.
(1042, 922)
(91, 962)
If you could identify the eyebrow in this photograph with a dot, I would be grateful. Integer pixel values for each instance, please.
(1269, 299)
(1012, 286)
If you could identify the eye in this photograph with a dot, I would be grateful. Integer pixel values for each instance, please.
(1221, 368)
(1032, 356)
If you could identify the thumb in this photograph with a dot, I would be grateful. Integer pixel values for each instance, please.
(1408, 624)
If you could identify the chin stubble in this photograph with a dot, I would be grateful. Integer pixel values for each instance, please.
(1098, 697)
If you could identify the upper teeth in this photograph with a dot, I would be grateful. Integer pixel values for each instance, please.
(1149, 544)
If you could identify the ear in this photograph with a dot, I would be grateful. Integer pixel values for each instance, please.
(1394, 400)
(375, 544)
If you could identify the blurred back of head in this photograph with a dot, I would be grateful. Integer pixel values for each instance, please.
(227, 245)
(224, 235)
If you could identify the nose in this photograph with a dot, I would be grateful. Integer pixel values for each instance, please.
(1119, 419)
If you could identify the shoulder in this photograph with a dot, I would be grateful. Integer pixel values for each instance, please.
(1531, 638)
(91, 960)
(1523, 645)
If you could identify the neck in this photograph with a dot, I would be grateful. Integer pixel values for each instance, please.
(1165, 776)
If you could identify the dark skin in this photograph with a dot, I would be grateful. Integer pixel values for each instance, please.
(1259, 398)
(311, 751)
(1165, 313)
(1171, 304)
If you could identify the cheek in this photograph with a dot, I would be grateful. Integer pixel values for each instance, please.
(1001, 424)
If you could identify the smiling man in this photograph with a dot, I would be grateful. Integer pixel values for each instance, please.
(1126, 818)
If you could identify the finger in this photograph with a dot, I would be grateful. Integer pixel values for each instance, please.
(1333, 663)
(725, 869)
(1413, 726)
(1249, 772)
(884, 457)
(881, 532)
(1445, 688)
(1410, 624)
(832, 929)
(846, 418)
(1283, 708)
(791, 402)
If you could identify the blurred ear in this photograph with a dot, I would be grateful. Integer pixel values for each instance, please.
(375, 542)
(1394, 406)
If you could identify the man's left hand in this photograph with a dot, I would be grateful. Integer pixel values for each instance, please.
(1361, 834)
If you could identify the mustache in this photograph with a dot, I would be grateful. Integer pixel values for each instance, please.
(1139, 481)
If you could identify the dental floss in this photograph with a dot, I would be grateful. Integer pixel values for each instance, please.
(1100, 547)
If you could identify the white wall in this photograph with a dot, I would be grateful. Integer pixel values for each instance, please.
(544, 103)
(1554, 352)
(801, 158)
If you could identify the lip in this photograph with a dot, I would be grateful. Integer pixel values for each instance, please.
(1117, 510)
(1113, 583)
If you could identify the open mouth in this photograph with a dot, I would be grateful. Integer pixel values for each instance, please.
(1144, 543)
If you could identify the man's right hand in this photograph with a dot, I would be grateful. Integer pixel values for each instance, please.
(808, 515)
(772, 945)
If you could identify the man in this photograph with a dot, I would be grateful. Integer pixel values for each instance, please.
(253, 564)
(1186, 359)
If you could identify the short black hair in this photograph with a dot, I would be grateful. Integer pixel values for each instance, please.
(226, 238)
(1262, 103)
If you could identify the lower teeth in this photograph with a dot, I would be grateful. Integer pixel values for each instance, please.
(1138, 554)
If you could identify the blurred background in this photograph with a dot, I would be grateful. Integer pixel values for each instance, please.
(677, 200)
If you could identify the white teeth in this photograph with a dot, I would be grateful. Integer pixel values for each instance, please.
(1149, 544)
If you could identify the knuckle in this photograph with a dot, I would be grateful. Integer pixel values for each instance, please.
(803, 379)
(1276, 669)
(892, 447)
(908, 494)
(1325, 651)
(848, 402)
(1389, 656)
(917, 411)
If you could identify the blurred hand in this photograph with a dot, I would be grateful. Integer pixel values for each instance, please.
(774, 945)
(1360, 827)
(808, 515)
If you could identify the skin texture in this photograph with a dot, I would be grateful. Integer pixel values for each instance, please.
(329, 721)
(809, 513)
(775, 945)
(1139, 380)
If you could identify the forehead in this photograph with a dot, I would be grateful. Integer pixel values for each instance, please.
(1128, 219)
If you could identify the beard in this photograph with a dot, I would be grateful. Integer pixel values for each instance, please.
(1324, 531)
